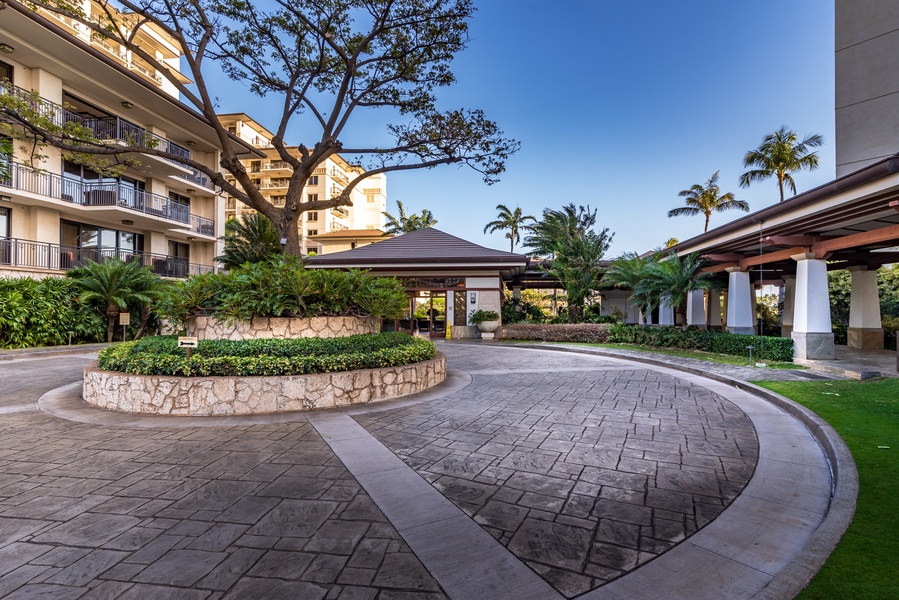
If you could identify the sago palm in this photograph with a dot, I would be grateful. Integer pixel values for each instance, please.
(251, 239)
(513, 220)
(113, 285)
(706, 199)
(779, 155)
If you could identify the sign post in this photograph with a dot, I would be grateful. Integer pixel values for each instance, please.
(124, 321)
(189, 343)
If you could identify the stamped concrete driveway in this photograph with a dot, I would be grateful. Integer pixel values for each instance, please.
(529, 474)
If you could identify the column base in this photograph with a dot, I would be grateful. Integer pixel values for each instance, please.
(865, 338)
(741, 330)
(813, 346)
(786, 330)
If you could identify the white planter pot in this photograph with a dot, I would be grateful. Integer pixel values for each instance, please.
(487, 328)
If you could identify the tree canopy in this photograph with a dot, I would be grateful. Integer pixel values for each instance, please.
(780, 154)
(325, 60)
(407, 223)
(513, 220)
(706, 199)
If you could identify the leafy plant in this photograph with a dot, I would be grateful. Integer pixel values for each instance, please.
(476, 317)
(252, 239)
(767, 348)
(408, 223)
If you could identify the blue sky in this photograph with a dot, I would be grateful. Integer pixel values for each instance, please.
(620, 105)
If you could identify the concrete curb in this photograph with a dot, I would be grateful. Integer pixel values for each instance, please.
(793, 578)
(51, 351)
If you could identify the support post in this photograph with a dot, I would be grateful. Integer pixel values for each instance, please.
(666, 313)
(786, 317)
(713, 314)
(812, 331)
(696, 308)
(865, 327)
(739, 306)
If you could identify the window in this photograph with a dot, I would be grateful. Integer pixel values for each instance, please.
(232, 130)
(179, 250)
(279, 200)
(179, 198)
(312, 232)
(370, 198)
(312, 198)
(4, 222)
(5, 71)
(81, 241)
(255, 166)
(313, 216)
(312, 180)
(352, 245)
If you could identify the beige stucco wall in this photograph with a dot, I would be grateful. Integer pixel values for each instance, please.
(867, 82)
(211, 396)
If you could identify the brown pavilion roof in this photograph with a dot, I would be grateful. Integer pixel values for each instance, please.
(425, 247)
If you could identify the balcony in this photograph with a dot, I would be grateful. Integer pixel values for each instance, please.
(336, 190)
(340, 176)
(276, 184)
(55, 257)
(277, 165)
(112, 194)
(340, 211)
(106, 128)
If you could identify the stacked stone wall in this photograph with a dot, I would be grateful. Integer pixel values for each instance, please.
(209, 328)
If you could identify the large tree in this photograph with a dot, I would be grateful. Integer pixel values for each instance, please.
(513, 220)
(324, 59)
(407, 223)
(575, 250)
(780, 154)
(706, 199)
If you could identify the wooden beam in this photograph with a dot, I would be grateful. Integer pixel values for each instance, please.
(719, 268)
(791, 240)
(732, 257)
(894, 205)
(771, 257)
(884, 234)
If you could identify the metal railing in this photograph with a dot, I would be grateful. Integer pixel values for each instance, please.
(105, 128)
(196, 177)
(114, 194)
(40, 255)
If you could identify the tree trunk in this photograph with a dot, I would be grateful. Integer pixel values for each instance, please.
(575, 313)
(288, 230)
(112, 311)
(144, 318)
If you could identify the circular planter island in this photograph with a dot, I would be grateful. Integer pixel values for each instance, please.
(286, 375)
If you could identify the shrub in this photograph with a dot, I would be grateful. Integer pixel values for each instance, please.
(161, 356)
(890, 326)
(282, 287)
(476, 317)
(42, 312)
(521, 311)
(767, 348)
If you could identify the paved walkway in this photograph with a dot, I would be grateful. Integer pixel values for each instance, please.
(530, 474)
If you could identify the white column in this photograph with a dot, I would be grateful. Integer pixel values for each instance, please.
(696, 308)
(812, 332)
(739, 306)
(865, 327)
(666, 313)
(786, 317)
(713, 317)
(754, 300)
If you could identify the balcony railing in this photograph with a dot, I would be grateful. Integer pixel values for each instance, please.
(196, 177)
(276, 165)
(115, 194)
(339, 176)
(106, 128)
(340, 211)
(40, 255)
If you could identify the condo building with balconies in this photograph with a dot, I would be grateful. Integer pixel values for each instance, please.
(56, 214)
(272, 175)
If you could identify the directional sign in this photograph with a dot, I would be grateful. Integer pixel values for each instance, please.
(187, 342)
(124, 318)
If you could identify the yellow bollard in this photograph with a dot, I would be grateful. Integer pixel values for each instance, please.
(449, 331)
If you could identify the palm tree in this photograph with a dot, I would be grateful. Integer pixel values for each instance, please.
(252, 239)
(114, 285)
(513, 220)
(779, 155)
(407, 223)
(568, 236)
(672, 278)
(706, 199)
(629, 271)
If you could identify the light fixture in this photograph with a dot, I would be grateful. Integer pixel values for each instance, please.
(191, 190)
(190, 143)
(127, 222)
(126, 104)
(473, 297)
(5, 198)
(6, 48)
(190, 238)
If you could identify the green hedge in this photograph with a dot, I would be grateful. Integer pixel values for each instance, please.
(773, 348)
(161, 356)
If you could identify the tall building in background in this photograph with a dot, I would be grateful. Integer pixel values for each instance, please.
(867, 82)
(272, 175)
(57, 214)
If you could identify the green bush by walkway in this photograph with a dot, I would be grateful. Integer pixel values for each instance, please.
(865, 564)
(161, 356)
(764, 347)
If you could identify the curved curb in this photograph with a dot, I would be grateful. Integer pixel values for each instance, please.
(796, 575)
(65, 402)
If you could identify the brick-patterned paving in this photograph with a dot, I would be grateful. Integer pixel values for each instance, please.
(581, 468)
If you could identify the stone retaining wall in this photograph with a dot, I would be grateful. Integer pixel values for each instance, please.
(564, 332)
(213, 396)
(209, 328)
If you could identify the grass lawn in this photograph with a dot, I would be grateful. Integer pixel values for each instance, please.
(726, 359)
(865, 564)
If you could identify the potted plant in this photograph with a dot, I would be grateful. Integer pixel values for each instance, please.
(486, 320)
